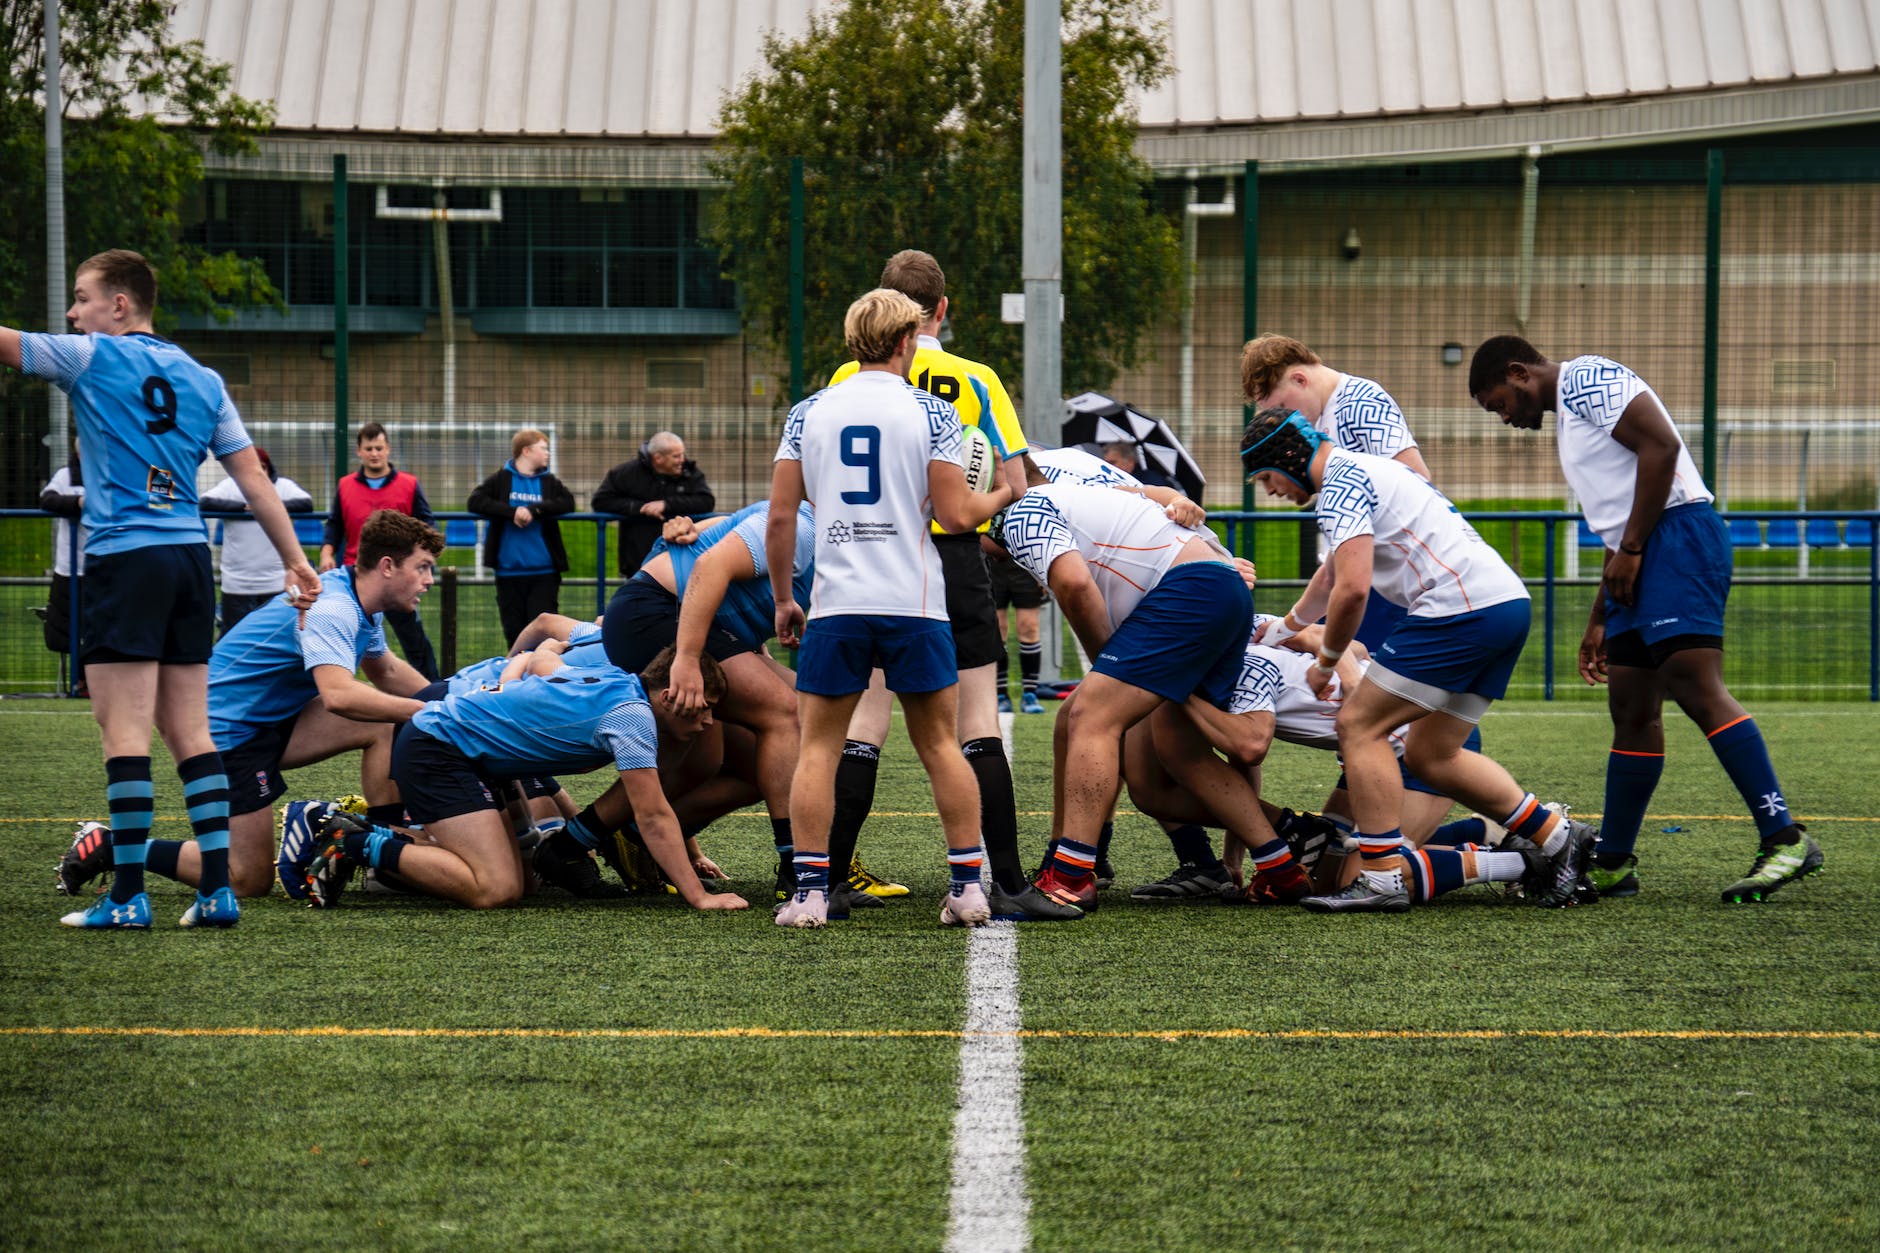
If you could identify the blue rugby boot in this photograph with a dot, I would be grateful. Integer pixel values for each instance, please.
(106, 914)
(218, 909)
(300, 824)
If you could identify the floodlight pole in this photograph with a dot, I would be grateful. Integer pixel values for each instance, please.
(57, 413)
(1043, 258)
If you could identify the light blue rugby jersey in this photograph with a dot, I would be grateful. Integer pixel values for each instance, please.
(261, 673)
(570, 721)
(488, 673)
(147, 414)
(749, 612)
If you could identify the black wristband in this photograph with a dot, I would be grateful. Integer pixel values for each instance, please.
(1632, 552)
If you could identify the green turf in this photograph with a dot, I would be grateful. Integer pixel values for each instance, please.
(689, 1141)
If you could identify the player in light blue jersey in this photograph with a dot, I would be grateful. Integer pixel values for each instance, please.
(147, 415)
(455, 754)
(282, 695)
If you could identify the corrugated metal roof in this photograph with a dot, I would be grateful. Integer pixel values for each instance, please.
(659, 68)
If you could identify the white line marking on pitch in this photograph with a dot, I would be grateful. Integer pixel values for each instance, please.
(990, 1211)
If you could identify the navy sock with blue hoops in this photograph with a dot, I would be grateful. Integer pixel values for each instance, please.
(132, 801)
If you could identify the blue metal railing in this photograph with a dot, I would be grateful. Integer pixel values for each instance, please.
(1853, 530)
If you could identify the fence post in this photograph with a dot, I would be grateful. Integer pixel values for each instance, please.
(1249, 316)
(1713, 304)
(796, 279)
(75, 677)
(447, 630)
(341, 298)
(1873, 607)
(600, 567)
(1547, 612)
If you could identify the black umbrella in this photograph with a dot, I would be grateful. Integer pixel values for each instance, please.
(1096, 419)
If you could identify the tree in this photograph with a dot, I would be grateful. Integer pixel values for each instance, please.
(908, 116)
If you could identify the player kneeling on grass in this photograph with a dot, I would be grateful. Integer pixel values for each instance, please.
(1164, 614)
(1438, 670)
(282, 696)
(880, 461)
(454, 756)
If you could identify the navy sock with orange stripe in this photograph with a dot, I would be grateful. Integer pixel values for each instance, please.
(1631, 778)
(1073, 860)
(1739, 746)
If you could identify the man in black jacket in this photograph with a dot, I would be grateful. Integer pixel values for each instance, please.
(523, 502)
(659, 485)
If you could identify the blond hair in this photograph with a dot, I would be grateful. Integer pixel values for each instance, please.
(1264, 361)
(877, 323)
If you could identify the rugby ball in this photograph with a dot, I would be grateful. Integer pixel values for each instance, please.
(976, 459)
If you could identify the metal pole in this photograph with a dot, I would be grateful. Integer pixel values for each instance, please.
(58, 413)
(796, 279)
(1547, 612)
(1530, 210)
(1249, 315)
(1713, 304)
(446, 302)
(1043, 256)
(447, 629)
(341, 383)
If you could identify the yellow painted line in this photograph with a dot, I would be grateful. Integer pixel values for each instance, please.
(773, 1033)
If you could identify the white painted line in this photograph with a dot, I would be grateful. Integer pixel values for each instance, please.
(990, 1211)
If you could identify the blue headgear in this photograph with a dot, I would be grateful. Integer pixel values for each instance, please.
(1281, 440)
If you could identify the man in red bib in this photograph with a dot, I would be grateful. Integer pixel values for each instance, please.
(379, 484)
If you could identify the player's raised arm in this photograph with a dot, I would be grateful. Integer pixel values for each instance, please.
(9, 347)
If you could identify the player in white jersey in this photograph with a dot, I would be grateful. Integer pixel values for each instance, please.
(1658, 628)
(879, 460)
(1440, 667)
(1164, 615)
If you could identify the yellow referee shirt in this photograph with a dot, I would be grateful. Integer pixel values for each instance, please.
(974, 391)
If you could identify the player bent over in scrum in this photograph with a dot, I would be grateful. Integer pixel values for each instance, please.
(1439, 669)
(455, 754)
(282, 696)
(712, 597)
(879, 460)
(1273, 699)
(1164, 614)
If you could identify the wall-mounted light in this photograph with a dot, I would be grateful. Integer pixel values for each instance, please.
(1452, 354)
(1352, 245)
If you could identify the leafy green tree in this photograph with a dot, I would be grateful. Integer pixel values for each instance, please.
(908, 116)
(139, 109)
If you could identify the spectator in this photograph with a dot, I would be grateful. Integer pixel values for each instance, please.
(379, 485)
(648, 491)
(64, 497)
(523, 502)
(1123, 455)
(252, 573)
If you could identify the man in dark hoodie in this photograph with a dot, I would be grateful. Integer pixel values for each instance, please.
(660, 484)
(523, 502)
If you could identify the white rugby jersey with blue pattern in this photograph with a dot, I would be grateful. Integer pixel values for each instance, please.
(1275, 680)
(1591, 396)
(1127, 542)
(261, 673)
(1425, 557)
(865, 445)
(146, 414)
(1360, 416)
(570, 721)
(1074, 465)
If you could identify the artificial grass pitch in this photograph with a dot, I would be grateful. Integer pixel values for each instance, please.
(1194, 1075)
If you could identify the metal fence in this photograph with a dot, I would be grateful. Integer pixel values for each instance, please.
(1740, 280)
(1777, 645)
